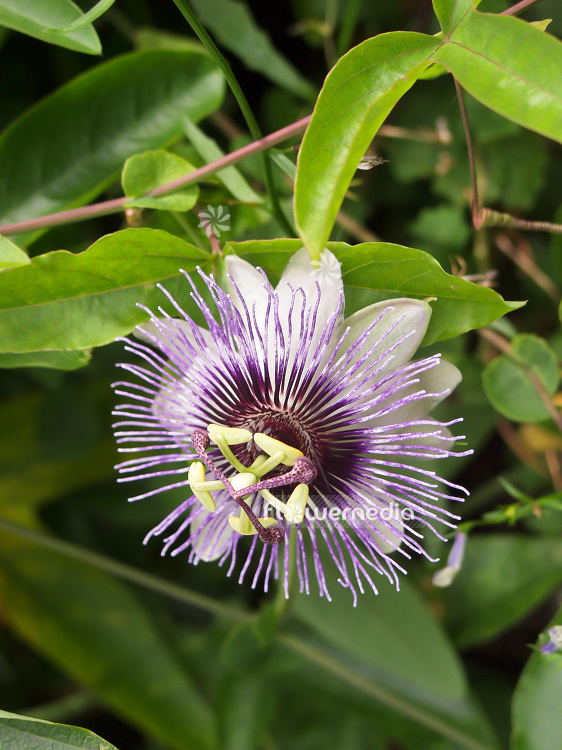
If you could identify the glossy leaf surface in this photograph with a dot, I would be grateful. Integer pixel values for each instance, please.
(62, 152)
(144, 172)
(494, 57)
(65, 301)
(23, 733)
(357, 96)
(44, 19)
(375, 271)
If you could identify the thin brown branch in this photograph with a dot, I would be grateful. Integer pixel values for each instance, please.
(440, 135)
(485, 217)
(355, 229)
(526, 263)
(118, 204)
(489, 218)
(512, 439)
(471, 160)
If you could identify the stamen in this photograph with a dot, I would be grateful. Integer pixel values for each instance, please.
(224, 437)
(196, 478)
(230, 435)
(296, 504)
(240, 483)
(302, 472)
(271, 446)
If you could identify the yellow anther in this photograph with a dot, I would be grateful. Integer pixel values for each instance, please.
(196, 478)
(296, 504)
(241, 482)
(271, 446)
(234, 521)
(230, 435)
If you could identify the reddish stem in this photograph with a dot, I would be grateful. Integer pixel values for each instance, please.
(118, 204)
(518, 7)
(476, 218)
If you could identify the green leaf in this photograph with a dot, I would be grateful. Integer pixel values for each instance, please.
(533, 352)
(537, 719)
(92, 15)
(450, 12)
(357, 96)
(393, 640)
(235, 28)
(509, 381)
(144, 172)
(245, 710)
(494, 57)
(434, 71)
(393, 632)
(41, 19)
(52, 360)
(94, 628)
(65, 301)
(541, 25)
(375, 271)
(24, 732)
(11, 255)
(231, 178)
(64, 151)
(502, 578)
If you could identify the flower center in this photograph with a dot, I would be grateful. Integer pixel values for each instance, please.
(285, 427)
(249, 479)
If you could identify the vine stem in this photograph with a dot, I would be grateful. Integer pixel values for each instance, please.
(489, 218)
(118, 204)
(251, 121)
(486, 217)
(126, 572)
(518, 7)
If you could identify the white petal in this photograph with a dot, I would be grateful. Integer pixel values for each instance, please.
(210, 546)
(324, 280)
(400, 330)
(301, 273)
(247, 287)
(439, 380)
